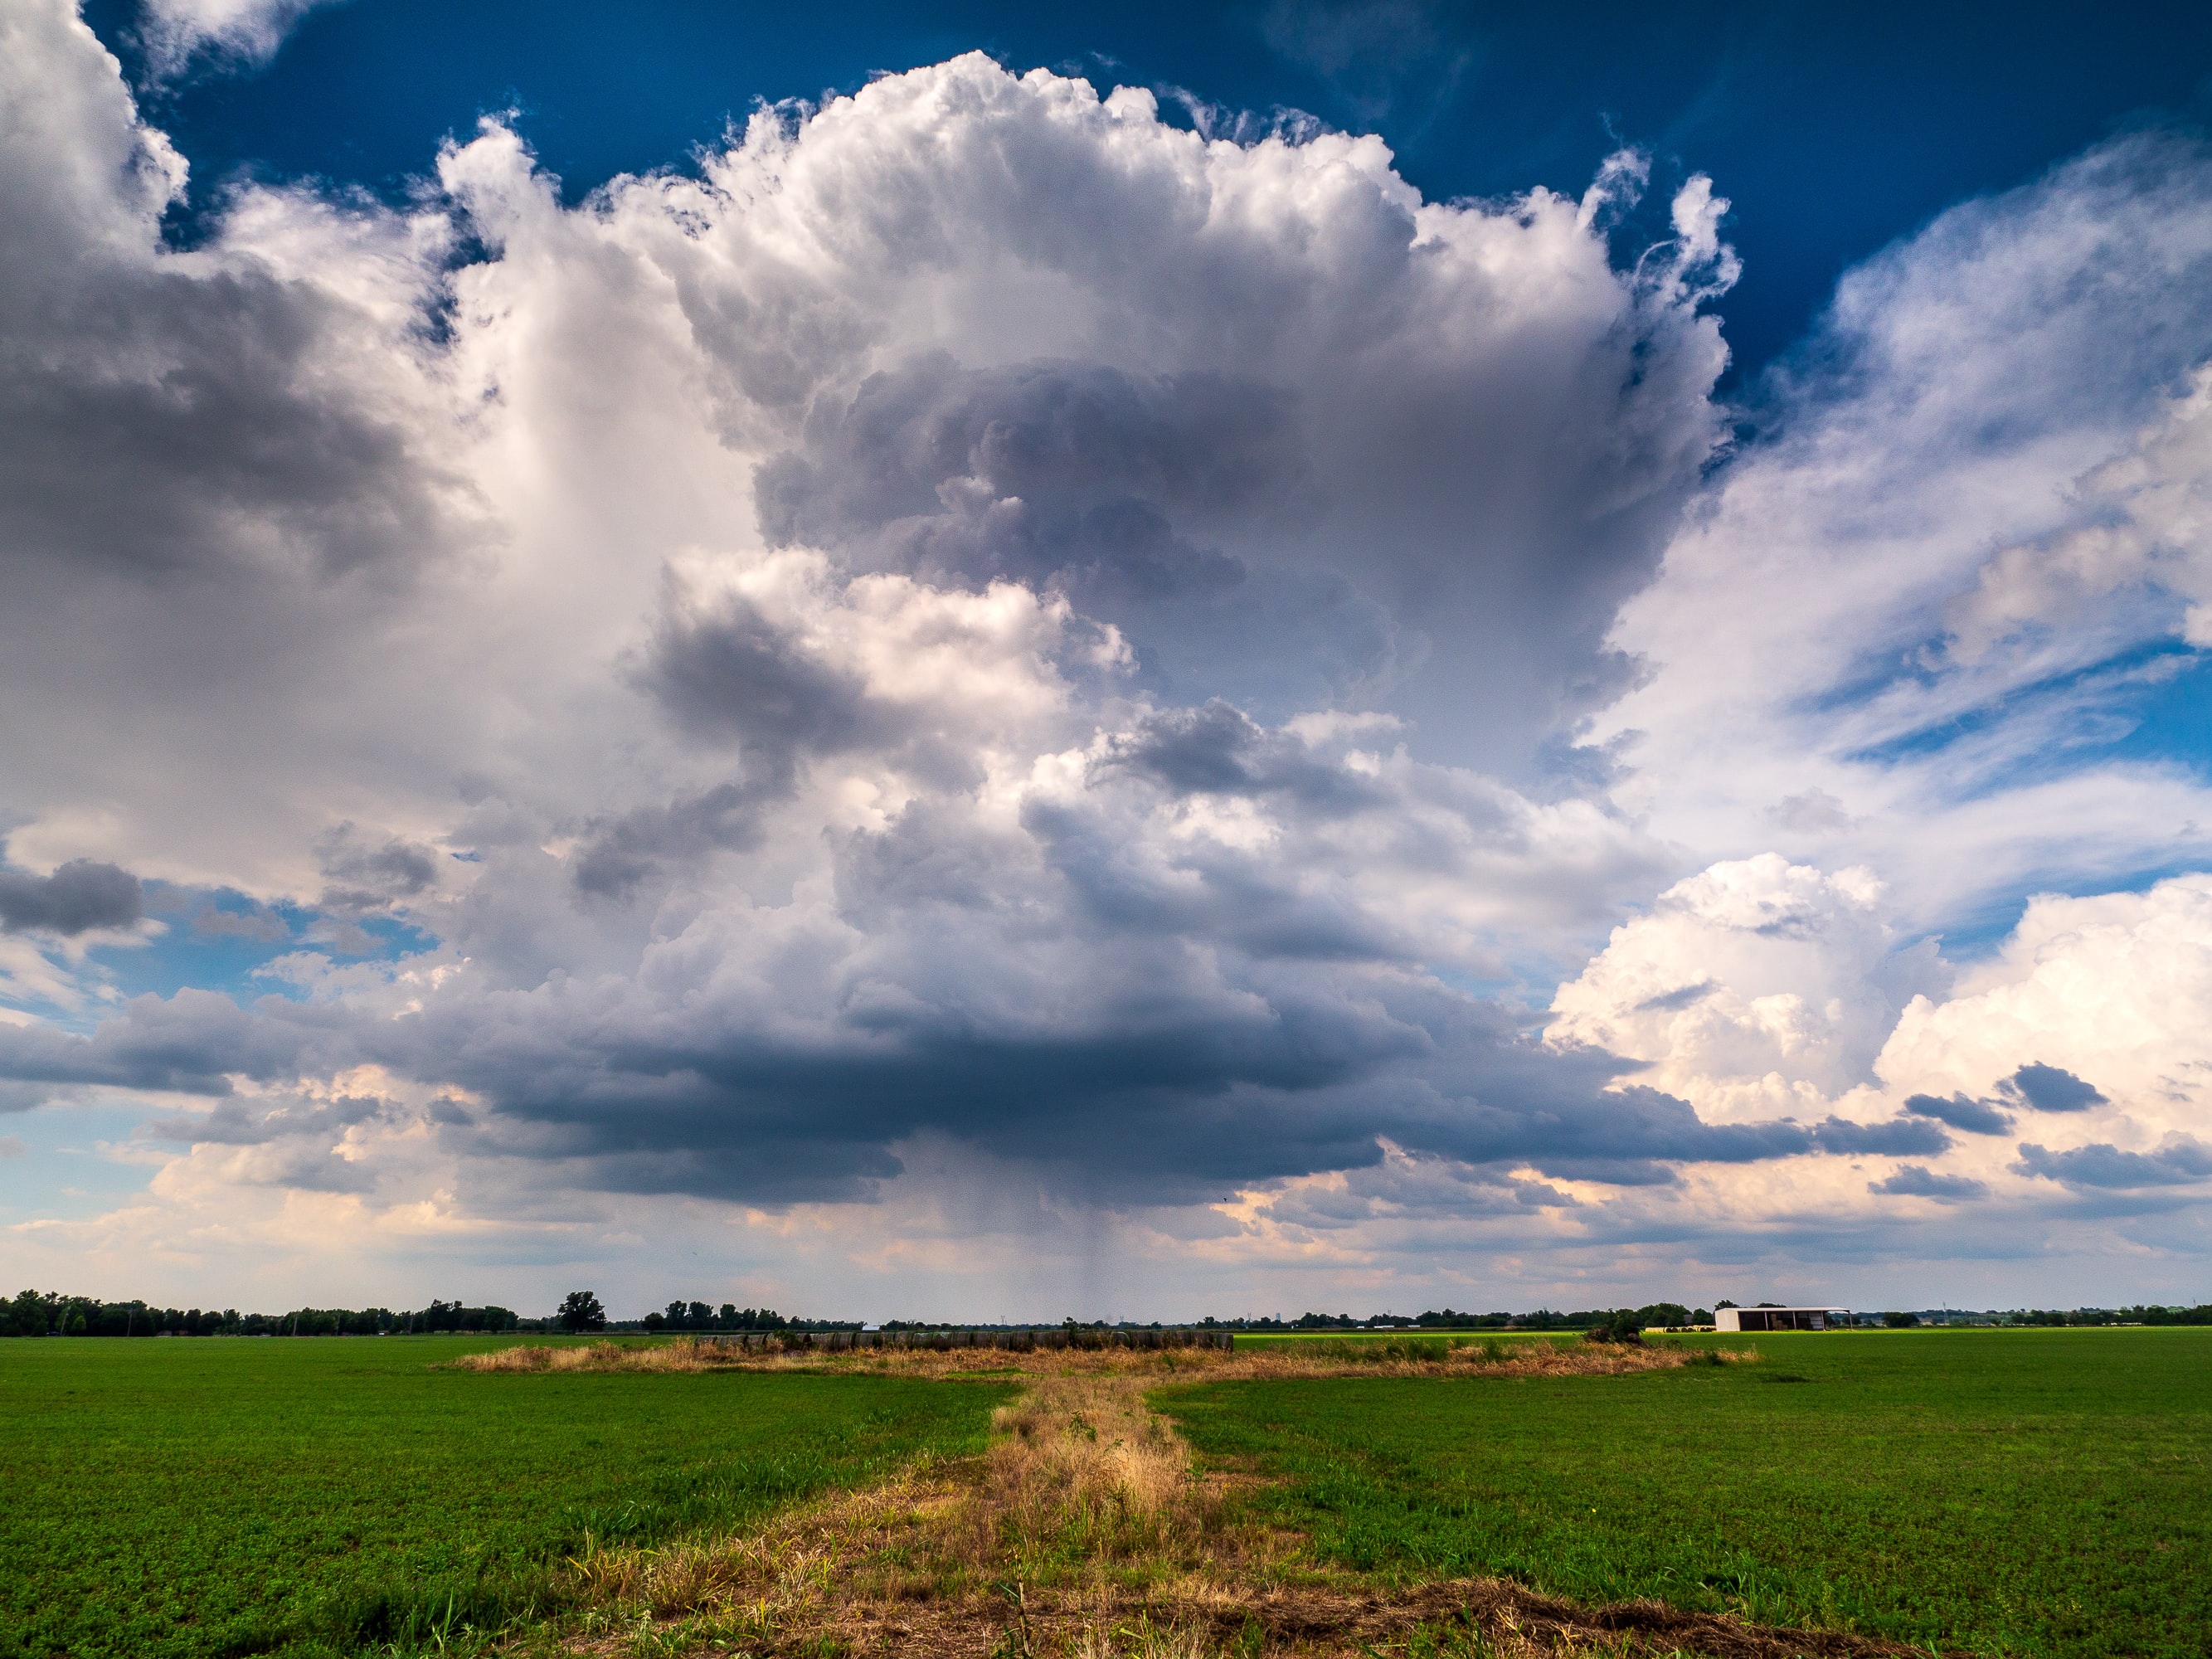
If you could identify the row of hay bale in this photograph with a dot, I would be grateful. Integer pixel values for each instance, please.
(1015, 1342)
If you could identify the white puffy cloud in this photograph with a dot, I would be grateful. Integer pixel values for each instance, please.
(1756, 988)
(2059, 1085)
(2112, 989)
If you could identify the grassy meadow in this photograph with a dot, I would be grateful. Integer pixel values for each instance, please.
(2046, 1493)
(2041, 1492)
(217, 1496)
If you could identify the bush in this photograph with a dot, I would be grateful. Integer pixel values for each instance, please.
(1624, 1326)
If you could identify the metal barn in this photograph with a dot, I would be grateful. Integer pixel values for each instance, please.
(1776, 1319)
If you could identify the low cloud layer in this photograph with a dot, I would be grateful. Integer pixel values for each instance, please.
(77, 897)
(984, 690)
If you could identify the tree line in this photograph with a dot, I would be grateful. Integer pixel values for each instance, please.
(1447, 1319)
(582, 1310)
(698, 1316)
(47, 1313)
(2138, 1314)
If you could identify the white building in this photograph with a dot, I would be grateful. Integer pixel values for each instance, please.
(1779, 1319)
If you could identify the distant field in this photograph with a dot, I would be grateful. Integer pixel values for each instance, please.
(179, 1498)
(2046, 1493)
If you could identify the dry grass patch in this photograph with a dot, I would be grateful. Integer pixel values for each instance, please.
(1087, 1531)
(1495, 1356)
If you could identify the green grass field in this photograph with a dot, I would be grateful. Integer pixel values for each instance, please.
(2046, 1493)
(2042, 1493)
(175, 1499)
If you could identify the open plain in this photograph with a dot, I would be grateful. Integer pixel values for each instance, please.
(2031, 1492)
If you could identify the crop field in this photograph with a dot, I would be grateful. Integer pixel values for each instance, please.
(2034, 1493)
(2046, 1493)
(174, 1499)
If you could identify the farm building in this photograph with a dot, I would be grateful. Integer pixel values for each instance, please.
(1778, 1319)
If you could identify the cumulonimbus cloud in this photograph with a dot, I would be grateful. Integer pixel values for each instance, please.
(877, 594)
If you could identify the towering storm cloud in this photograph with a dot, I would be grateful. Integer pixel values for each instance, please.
(984, 690)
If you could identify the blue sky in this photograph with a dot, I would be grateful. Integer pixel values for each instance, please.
(699, 632)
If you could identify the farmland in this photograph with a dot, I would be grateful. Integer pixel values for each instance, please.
(167, 1500)
(2039, 1491)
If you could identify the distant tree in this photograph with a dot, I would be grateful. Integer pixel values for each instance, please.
(1724, 1303)
(580, 1310)
(655, 1322)
(1900, 1321)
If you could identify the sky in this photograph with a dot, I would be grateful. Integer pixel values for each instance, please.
(992, 664)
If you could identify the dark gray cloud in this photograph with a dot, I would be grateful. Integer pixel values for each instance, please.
(190, 1043)
(1169, 1117)
(77, 897)
(363, 874)
(1251, 903)
(1917, 1181)
(2048, 1089)
(733, 677)
(1977, 1117)
(621, 852)
(2181, 1161)
(1899, 1137)
(1219, 750)
(729, 679)
(237, 1122)
(1054, 474)
(1174, 1086)
(1414, 1187)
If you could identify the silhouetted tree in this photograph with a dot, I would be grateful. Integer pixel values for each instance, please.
(581, 1312)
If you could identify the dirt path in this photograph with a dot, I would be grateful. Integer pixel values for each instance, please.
(1087, 1530)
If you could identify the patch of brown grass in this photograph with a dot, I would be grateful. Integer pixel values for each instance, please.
(1495, 1357)
(1087, 1531)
